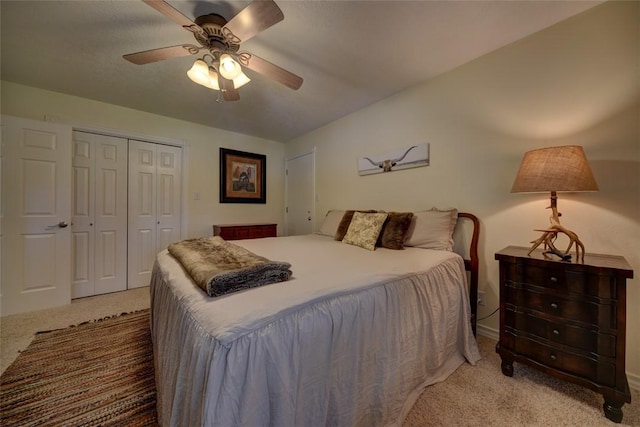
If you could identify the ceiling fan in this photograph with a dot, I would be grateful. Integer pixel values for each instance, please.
(221, 66)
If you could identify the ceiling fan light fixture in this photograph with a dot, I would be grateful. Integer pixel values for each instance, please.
(241, 80)
(199, 73)
(229, 68)
(221, 38)
(213, 80)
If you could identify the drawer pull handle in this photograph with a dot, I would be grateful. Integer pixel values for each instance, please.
(554, 305)
(556, 332)
(553, 357)
(554, 279)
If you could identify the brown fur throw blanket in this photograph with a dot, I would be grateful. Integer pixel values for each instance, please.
(220, 267)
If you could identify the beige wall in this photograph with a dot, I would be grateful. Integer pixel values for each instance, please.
(575, 83)
(203, 143)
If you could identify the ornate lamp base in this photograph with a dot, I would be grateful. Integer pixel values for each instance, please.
(550, 234)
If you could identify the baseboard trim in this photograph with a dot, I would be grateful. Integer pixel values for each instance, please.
(488, 332)
(485, 331)
(634, 381)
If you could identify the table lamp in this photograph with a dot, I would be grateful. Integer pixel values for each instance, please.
(555, 169)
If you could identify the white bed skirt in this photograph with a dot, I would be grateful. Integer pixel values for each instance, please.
(355, 358)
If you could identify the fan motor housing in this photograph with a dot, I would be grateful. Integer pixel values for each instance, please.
(212, 25)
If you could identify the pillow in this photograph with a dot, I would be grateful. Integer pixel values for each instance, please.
(365, 229)
(331, 221)
(394, 231)
(344, 223)
(432, 229)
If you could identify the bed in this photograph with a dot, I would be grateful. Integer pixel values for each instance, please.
(352, 339)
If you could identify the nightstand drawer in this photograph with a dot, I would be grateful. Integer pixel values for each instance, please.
(562, 333)
(565, 279)
(588, 312)
(591, 368)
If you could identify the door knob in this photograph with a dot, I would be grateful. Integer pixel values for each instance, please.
(61, 224)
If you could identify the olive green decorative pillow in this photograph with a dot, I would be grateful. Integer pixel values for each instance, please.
(365, 229)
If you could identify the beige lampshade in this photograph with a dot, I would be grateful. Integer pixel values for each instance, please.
(555, 169)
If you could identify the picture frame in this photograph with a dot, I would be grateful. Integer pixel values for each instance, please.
(243, 177)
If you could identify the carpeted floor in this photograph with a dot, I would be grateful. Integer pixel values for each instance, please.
(76, 381)
(481, 396)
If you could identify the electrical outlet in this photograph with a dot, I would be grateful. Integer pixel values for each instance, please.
(481, 298)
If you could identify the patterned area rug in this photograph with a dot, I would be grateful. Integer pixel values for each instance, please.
(95, 374)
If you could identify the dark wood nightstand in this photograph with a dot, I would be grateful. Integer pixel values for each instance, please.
(567, 319)
(245, 231)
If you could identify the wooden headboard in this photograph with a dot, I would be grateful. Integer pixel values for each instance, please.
(471, 263)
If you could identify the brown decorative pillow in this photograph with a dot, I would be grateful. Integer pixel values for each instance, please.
(395, 230)
(344, 223)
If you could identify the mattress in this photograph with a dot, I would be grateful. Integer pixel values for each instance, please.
(351, 339)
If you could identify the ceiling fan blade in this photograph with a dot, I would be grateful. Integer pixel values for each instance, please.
(155, 55)
(229, 93)
(270, 70)
(169, 11)
(256, 17)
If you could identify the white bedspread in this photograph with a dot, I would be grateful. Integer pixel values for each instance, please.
(351, 340)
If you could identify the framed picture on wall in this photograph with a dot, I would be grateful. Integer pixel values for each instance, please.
(243, 177)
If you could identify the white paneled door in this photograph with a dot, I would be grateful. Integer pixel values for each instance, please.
(36, 193)
(154, 205)
(300, 194)
(99, 215)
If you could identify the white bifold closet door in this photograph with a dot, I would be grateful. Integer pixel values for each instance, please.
(154, 205)
(99, 215)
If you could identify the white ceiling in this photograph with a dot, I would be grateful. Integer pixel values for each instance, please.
(350, 54)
